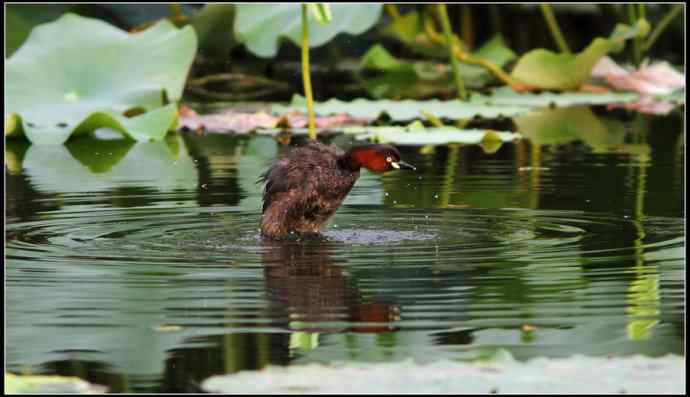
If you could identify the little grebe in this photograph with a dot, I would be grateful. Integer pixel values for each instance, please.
(305, 187)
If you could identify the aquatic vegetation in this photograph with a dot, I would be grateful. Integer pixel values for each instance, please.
(503, 374)
(399, 78)
(429, 136)
(41, 384)
(545, 69)
(405, 109)
(231, 120)
(63, 82)
(260, 27)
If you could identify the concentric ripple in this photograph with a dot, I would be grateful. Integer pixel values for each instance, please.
(188, 235)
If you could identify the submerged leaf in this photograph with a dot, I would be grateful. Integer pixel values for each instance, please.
(77, 74)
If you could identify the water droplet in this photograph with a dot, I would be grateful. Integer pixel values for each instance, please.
(435, 196)
(386, 194)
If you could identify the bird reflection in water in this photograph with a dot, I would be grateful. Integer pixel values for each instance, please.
(309, 288)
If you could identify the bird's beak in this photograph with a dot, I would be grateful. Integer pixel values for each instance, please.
(403, 165)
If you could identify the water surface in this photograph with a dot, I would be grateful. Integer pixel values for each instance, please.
(140, 266)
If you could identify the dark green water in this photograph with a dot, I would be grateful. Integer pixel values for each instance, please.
(140, 267)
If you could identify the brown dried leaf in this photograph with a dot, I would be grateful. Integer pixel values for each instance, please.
(240, 122)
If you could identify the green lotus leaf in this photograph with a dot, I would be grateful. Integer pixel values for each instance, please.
(322, 12)
(559, 71)
(409, 29)
(214, 29)
(423, 79)
(260, 26)
(21, 18)
(77, 74)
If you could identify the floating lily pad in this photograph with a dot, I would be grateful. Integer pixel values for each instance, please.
(260, 27)
(429, 136)
(37, 384)
(404, 110)
(505, 96)
(577, 374)
(78, 74)
(553, 71)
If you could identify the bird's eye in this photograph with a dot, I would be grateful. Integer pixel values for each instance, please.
(389, 159)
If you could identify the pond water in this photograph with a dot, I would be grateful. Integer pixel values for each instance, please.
(139, 265)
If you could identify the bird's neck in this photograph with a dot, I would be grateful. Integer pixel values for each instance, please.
(350, 161)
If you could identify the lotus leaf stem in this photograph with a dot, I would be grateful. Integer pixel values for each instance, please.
(662, 25)
(463, 56)
(306, 77)
(555, 30)
(459, 83)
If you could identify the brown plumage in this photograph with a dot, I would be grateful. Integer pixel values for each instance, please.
(305, 187)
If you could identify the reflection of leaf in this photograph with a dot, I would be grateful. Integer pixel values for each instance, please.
(77, 74)
(260, 27)
(99, 155)
(404, 110)
(256, 155)
(560, 71)
(304, 340)
(643, 308)
(563, 125)
(15, 149)
(70, 169)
